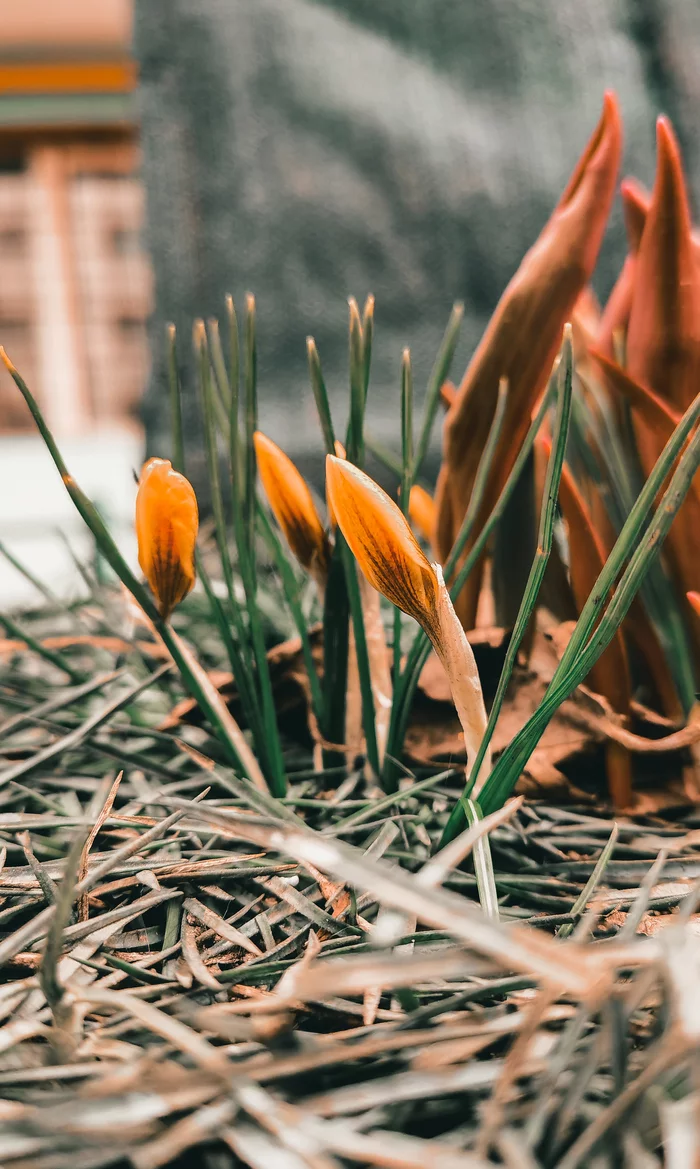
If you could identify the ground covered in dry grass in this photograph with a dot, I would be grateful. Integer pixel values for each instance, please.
(195, 974)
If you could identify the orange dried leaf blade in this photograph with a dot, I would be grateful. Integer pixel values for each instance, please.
(655, 413)
(663, 337)
(448, 393)
(522, 340)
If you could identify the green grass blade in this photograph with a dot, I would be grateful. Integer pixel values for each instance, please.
(320, 393)
(420, 649)
(367, 337)
(623, 479)
(440, 370)
(355, 433)
(406, 475)
(89, 513)
(480, 482)
(592, 883)
(237, 656)
(483, 864)
(576, 663)
(336, 618)
(359, 378)
(218, 364)
(290, 587)
(56, 659)
(456, 821)
(212, 456)
(251, 425)
(358, 624)
(27, 574)
(234, 395)
(384, 456)
(336, 608)
(178, 459)
(243, 673)
(630, 532)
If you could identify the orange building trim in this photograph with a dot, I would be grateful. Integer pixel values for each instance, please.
(67, 77)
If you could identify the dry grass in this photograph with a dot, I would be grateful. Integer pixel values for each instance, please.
(194, 974)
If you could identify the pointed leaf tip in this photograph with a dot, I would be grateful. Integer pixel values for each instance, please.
(663, 337)
(635, 208)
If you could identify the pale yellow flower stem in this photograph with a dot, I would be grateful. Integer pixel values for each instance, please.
(457, 657)
(380, 672)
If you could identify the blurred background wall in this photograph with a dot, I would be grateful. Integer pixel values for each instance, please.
(305, 150)
(75, 278)
(312, 149)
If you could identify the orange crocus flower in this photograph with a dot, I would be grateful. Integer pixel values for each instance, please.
(382, 542)
(167, 521)
(292, 505)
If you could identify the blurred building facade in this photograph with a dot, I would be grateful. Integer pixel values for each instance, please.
(75, 281)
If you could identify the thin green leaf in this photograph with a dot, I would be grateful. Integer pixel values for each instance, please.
(592, 883)
(439, 372)
(178, 459)
(585, 646)
(355, 432)
(555, 464)
(114, 558)
(320, 393)
(483, 864)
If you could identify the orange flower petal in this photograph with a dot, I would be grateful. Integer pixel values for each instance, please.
(694, 599)
(523, 337)
(421, 511)
(166, 528)
(382, 542)
(663, 337)
(292, 504)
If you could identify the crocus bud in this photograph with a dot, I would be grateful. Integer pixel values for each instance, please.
(390, 557)
(166, 528)
(290, 500)
(382, 542)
